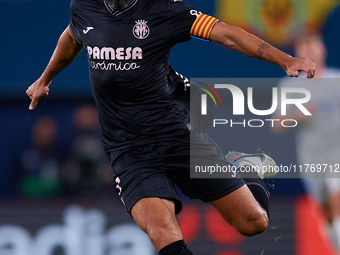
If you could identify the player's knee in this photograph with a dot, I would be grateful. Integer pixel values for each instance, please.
(258, 227)
(161, 231)
(253, 229)
(254, 226)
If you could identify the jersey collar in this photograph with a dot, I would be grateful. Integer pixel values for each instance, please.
(118, 12)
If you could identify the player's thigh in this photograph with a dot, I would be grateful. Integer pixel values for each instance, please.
(139, 174)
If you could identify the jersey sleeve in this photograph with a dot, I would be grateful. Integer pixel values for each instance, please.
(74, 27)
(186, 22)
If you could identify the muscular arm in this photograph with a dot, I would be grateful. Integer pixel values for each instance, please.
(66, 51)
(250, 45)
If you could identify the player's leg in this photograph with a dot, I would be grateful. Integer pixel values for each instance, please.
(230, 196)
(327, 192)
(241, 210)
(244, 206)
(253, 168)
(150, 197)
(156, 217)
(253, 216)
(333, 201)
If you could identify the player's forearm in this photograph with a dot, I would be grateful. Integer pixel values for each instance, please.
(248, 44)
(66, 51)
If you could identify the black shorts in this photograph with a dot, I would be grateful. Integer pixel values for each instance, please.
(153, 169)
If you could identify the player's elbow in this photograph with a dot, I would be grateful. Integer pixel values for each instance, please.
(223, 34)
(228, 39)
(229, 43)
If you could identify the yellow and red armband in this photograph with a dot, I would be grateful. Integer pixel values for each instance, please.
(202, 26)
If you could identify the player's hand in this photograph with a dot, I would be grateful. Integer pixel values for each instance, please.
(37, 91)
(296, 65)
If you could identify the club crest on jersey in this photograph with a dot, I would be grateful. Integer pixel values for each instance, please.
(141, 30)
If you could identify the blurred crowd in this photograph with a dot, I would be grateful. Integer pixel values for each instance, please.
(46, 169)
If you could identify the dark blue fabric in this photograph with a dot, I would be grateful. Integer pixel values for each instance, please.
(129, 71)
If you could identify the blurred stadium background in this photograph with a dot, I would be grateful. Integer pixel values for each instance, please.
(62, 201)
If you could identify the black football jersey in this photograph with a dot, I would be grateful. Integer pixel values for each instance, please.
(128, 64)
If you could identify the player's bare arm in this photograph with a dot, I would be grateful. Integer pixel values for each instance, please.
(66, 51)
(250, 45)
